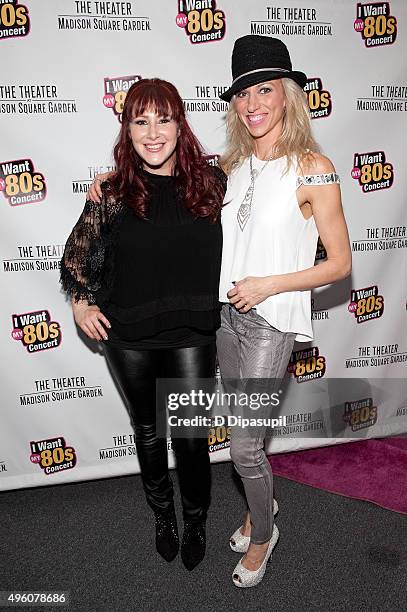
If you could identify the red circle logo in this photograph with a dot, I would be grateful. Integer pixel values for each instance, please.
(17, 333)
(358, 25)
(181, 20)
(108, 100)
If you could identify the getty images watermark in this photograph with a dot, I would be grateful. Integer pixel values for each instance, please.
(324, 408)
(219, 400)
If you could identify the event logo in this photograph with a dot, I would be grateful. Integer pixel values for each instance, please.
(384, 98)
(218, 438)
(206, 99)
(213, 160)
(319, 99)
(82, 185)
(299, 423)
(36, 331)
(124, 445)
(20, 183)
(382, 239)
(376, 355)
(109, 16)
(14, 19)
(53, 455)
(34, 99)
(375, 23)
(360, 414)
(292, 21)
(372, 171)
(307, 364)
(366, 304)
(37, 257)
(116, 91)
(202, 20)
(321, 251)
(317, 313)
(60, 389)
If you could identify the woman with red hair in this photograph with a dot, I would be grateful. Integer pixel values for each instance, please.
(142, 269)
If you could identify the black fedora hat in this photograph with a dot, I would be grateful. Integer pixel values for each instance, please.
(256, 59)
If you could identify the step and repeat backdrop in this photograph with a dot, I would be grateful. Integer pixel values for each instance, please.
(66, 68)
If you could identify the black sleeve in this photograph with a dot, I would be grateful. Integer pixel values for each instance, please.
(82, 264)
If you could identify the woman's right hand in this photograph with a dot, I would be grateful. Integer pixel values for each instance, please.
(94, 192)
(89, 319)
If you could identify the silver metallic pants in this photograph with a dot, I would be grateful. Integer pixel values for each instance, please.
(249, 348)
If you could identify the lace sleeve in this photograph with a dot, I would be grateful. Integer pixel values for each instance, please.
(82, 265)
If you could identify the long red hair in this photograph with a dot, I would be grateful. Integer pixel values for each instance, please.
(199, 188)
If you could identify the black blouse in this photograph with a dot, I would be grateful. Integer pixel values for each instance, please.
(159, 278)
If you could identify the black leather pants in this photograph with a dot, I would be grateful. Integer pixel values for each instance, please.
(135, 372)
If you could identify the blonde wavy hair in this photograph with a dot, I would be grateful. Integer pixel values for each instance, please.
(296, 140)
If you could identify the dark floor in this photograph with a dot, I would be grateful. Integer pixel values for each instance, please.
(96, 540)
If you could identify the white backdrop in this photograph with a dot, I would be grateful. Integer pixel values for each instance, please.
(66, 67)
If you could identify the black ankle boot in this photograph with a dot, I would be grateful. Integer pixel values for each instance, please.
(166, 535)
(193, 544)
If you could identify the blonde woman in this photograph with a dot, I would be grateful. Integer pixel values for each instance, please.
(282, 193)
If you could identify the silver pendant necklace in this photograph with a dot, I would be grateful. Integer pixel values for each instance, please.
(245, 207)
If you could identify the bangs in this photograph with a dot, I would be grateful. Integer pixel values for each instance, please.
(157, 99)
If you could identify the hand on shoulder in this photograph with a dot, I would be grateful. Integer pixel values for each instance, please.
(95, 190)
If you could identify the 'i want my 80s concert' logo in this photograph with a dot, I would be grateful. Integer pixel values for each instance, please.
(375, 23)
(218, 438)
(53, 455)
(36, 331)
(14, 20)
(321, 254)
(116, 91)
(20, 183)
(319, 99)
(372, 171)
(307, 364)
(202, 21)
(212, 160)
(360, 414)
(366, 304)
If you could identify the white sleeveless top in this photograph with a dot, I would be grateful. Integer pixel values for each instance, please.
(276, 240)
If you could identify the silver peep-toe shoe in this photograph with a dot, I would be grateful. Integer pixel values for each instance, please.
(243, 577)
(239, 542)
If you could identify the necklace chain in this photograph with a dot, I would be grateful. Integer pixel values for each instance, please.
(245, 207)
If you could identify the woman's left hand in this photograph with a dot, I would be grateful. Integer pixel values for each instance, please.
(250, 291)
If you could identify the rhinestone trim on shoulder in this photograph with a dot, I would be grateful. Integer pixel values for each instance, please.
(318, 179)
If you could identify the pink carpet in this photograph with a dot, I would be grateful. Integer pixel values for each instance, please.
(372, 470)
